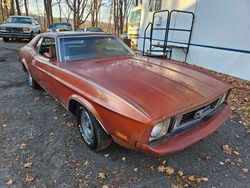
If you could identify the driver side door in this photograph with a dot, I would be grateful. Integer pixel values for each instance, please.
(43, 64)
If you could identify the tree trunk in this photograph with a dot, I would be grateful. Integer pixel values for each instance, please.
(2, 11)
(17, 7)
(12, 7)
(26, 8)
(48, 10)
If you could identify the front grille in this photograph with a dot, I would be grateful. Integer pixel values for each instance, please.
(198, 113)
(14, 29)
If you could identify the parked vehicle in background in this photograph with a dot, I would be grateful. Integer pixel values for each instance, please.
(22, 27)
(57, 27)
(155, 106)
(91, 29)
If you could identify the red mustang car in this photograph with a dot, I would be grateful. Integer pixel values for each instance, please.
(155, 106)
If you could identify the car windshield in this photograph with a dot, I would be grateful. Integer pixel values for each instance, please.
(60, 26)
(92, 47)
(94, 29)
(22, 20)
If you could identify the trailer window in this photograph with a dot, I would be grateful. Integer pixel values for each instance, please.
(155, 5)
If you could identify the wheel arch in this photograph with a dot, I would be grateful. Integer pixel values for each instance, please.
(75, 100)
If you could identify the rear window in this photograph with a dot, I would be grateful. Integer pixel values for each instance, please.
(92, 47)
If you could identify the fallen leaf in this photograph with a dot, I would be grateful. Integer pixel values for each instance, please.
(30, 177)
(164, 162)
(10, 182)
(192, 178)
(27, 165)
(196, 179)
(244, 170)
(221, 163)
(106, 155)
(169, 170)
(22, 146)
(161, 168)
(227, 149)
(180, 173)
(124, 158)
(105, 186)
(135, 169)
(4, 125)
(102, 176)
(239, 160)
(236, 152)
(86, 163)
(55, 118)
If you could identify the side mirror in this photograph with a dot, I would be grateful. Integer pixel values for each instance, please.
(47, 55)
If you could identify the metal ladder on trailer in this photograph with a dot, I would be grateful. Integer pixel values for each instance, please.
(166, 47)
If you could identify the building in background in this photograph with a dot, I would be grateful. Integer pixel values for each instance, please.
(220, 37)
(134, 23)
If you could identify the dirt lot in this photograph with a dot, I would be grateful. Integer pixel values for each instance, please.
(41, 146)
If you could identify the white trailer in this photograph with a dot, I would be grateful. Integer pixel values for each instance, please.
(220, 39)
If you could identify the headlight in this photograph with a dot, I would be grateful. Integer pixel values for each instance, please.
(159, 130)
(222, 98)
(2, 28)
(27, 29)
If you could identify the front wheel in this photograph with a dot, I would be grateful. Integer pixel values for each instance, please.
(91, 131)
(32, 82)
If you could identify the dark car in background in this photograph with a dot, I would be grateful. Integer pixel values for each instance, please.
(57, 27)
(91, 29)
(22, 27)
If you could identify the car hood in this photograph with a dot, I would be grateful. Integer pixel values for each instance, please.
(18, 25)
(161, 88)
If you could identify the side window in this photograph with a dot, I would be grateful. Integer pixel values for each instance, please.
(36, 22)
(38, 45)
(47, 48)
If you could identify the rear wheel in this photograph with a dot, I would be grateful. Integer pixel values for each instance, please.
(32, 82)
(91, 131)
(5, 39)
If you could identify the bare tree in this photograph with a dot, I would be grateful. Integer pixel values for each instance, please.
(81, 11)
(12, 7)
(95, 10)
(121, 10)
(48, 10)
(26, 7)
(67, 13)
(59, 4)
(2, 11)
(5, 9)
(17, 7)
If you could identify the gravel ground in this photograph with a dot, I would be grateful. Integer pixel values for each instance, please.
(41, 146)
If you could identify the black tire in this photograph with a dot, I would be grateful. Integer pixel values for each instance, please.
(99, 139)
(6, 39)
(32, 82)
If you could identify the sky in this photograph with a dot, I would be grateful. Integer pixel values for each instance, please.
(33, 9)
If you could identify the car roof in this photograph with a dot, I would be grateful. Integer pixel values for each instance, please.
(72, 33)
(61, 23)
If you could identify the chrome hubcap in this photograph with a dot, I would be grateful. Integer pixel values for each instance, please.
(86, 127)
